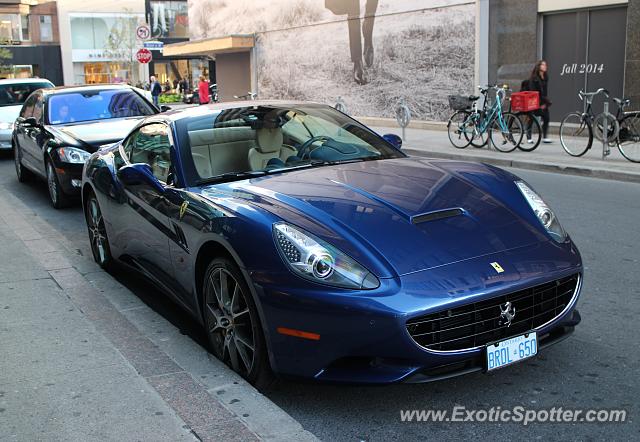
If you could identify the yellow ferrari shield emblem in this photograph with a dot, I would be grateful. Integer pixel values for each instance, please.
(497, 267)
(183, 208)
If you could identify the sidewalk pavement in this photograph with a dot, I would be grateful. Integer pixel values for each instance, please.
(547, 157)
(84, 359)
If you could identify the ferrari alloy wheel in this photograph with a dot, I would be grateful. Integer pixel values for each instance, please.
(97, 232)
(232, 322)
(57, 195)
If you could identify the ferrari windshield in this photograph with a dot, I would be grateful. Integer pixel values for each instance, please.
(96, 104)
(255, 140)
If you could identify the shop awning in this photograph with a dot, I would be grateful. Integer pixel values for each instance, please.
(210, 46)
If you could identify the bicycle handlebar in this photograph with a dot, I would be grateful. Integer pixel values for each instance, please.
(582, 94)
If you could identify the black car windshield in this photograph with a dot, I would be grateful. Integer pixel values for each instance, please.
(96, 104)
(16, 94)
(250, 141)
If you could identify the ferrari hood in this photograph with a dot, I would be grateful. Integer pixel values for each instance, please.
(412, 213)
(96, 133)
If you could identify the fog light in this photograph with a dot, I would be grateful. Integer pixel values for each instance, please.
(76, 183)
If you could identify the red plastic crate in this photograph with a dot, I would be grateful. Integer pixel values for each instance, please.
(525, 101)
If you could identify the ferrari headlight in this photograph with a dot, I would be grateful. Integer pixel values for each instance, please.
(314, 259)
(73, 155)
(543, 212)
(6, 126)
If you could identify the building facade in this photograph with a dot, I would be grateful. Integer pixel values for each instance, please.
(98, 41)
(374, 54)
(29, 32)
(588, 44)
(370, 54)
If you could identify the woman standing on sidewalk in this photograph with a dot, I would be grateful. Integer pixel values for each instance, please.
(203, 90)
(539, 81)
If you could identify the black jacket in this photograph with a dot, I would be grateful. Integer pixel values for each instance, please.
(541, 85)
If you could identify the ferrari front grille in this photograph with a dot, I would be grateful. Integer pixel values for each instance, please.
(486, 321)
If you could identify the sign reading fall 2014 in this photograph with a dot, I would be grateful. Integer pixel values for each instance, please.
(584, 68)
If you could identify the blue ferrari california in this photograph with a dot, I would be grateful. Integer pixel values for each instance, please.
(309, 246)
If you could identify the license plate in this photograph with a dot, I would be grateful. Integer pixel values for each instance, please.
(503, 353)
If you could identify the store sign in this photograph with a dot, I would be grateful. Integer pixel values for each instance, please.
(144, 55)
(154, 45)
(143, 32)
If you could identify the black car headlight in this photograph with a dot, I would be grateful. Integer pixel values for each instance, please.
(314, 259)
(544, 213)
(73, 155)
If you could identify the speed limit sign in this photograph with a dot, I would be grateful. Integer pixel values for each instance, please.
(143, 32)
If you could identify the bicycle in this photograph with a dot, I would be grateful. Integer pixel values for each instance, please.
(577, 128)
(468, 125)
(628, 140)
(250, 96)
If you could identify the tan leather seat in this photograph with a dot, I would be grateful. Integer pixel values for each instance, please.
(221, 150)
(268, 145)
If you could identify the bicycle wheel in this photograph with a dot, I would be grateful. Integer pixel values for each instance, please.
(507, 138)
(532, 132)
(480, 139)
(576, 134)
(460, 129)
(612, 127)
(629, 137)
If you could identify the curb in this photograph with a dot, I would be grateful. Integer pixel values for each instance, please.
(607, 174)
(229, 409)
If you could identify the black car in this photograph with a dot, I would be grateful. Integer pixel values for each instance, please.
(58, 129)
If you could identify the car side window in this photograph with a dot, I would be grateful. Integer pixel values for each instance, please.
(151, 145)
(123, 154)
(27, 109)
(37, 108)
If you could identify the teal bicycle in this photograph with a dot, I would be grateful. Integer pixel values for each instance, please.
(472, 126)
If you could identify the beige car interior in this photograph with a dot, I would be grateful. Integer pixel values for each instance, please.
(269, 145)
(236, 149)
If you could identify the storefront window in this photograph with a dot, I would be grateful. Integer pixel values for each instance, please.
(169, 19)
(169, 73)
(19, 71)
(101, 73)
(46, 28)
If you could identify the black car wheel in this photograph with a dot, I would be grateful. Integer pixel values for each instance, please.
(23, 174)
(59, 199)
(233, 326)
(97, 233)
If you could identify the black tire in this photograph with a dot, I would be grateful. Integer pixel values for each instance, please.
(22, 173)
(97, 232)
(460, 135)
(629, 137)
(576, 134)
(531, 125)
(506, 141)
(232, 323)
(59, 199)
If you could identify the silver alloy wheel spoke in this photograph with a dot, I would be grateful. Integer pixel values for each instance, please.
(242, 352)
(225, 303)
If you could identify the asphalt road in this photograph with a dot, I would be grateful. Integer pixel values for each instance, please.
(597, 367)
